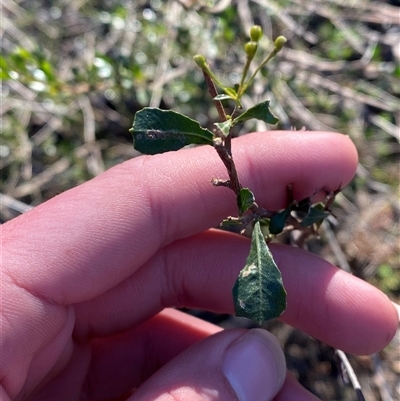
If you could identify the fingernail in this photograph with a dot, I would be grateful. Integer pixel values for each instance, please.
(254, 365)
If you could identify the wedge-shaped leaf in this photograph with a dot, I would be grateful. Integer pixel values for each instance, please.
(258, 293)
(315, 215)
(158, 131)
(260, 112)
(278, 221)
(224, 127)
(245, 200)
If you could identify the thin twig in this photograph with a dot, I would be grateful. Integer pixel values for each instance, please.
(226, 157)
(14, 204)
(41, 179)
(225, 148)
(213, 92)
(350, 374)
(335, 246)
(94, 160)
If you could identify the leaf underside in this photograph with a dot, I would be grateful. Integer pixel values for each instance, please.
(258, 292)
(158, 131)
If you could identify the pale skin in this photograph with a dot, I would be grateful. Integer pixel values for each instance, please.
(82, 272)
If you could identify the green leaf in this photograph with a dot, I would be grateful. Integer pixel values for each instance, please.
(231, 225)
(277, 222)
(224, 127)
(258, 293)
(3, 62)
(47, 68)
(245, 200)
(4, 75)
(158, 131)
(315, 215)
(260, 112)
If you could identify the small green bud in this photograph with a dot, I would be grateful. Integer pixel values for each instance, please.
(200, 61)
(279, 42)
(250, 48)
(255, 33)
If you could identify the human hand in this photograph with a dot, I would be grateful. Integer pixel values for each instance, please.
(88, 275)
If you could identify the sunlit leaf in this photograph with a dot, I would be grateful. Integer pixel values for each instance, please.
(158, 131)
(258, 293)
(260, 112)
(224, 127)
(223, 96)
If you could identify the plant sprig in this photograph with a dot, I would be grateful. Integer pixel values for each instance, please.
(258, 292)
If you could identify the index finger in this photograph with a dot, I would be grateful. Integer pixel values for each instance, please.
(82, 242)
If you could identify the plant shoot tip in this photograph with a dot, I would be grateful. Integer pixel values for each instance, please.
(250, 48)
(200, 60)
(279, 42)
(255, 33)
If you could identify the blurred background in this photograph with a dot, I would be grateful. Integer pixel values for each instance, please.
(75, 72)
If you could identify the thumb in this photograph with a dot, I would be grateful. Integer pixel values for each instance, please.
(231, 365)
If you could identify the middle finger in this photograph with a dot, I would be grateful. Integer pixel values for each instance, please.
(200, 271)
